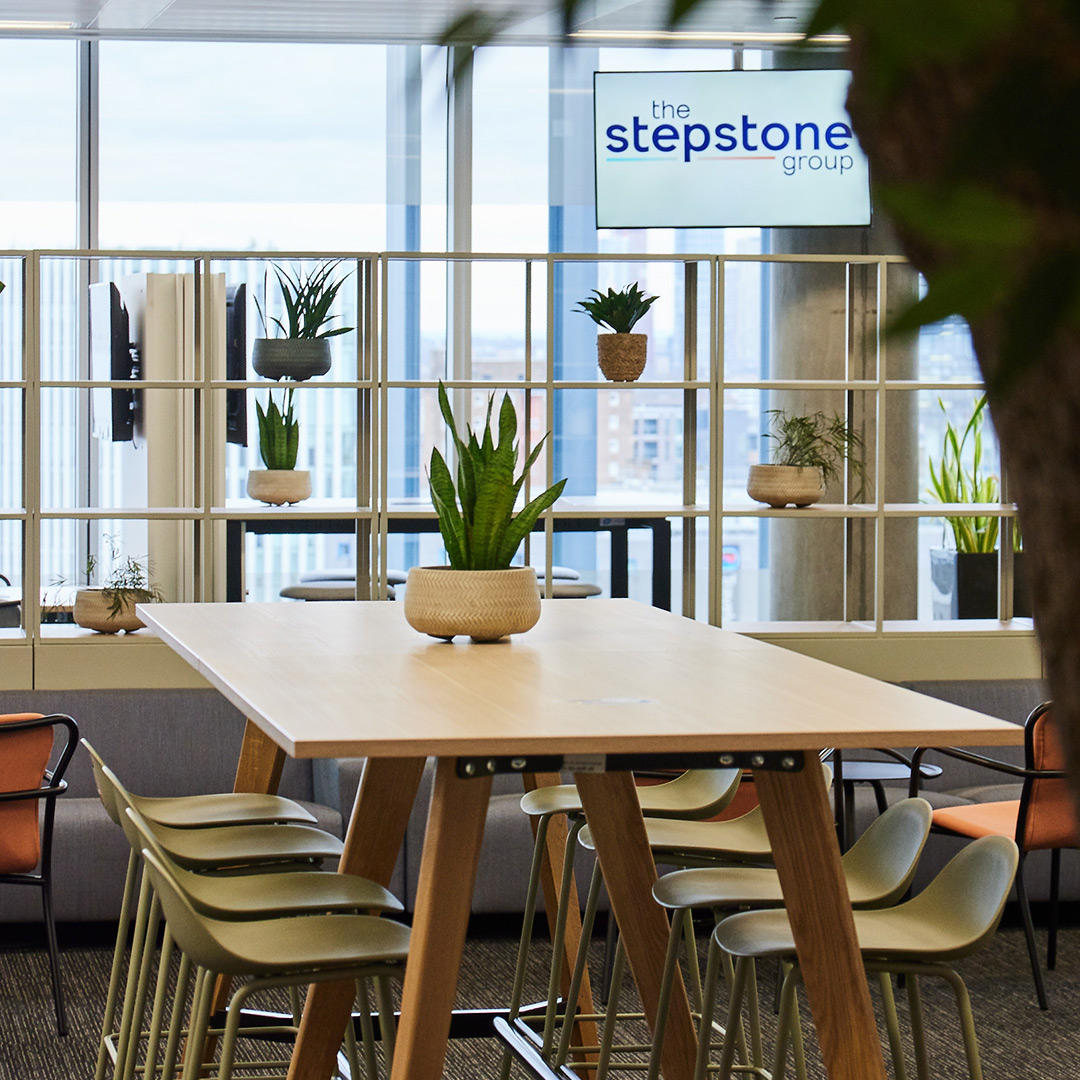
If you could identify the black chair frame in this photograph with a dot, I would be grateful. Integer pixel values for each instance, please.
(1028, 774)
(53, 785)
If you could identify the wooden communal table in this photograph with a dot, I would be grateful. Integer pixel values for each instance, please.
(593, 678)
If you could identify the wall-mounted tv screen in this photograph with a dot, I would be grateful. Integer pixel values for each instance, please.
(114, 357)
(703, 149)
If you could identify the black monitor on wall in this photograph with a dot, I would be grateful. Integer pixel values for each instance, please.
(113, 357)
(236, 363)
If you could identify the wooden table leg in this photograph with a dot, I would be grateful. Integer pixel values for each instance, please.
(380, 816)
(614, 814)
(585, 1031)
(803, 840)
(258, 771)
(455, 830)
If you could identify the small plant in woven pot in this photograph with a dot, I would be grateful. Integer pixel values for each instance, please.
(621, 354)
(807, 452)
(301, 348)
(480, 593)
(110, 607)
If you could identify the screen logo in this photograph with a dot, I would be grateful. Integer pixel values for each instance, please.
(701, 149)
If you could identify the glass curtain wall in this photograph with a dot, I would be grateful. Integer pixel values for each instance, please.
(199, 148)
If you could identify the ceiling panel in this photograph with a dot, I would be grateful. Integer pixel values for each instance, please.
(379, 20)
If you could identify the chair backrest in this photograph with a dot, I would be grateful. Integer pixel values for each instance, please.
(26, 744)
(697, 793)
(193, 932)
(881, 864)
(1047, 817)
(965, 901)
(106, 787)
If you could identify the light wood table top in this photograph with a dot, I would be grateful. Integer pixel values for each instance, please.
(350, 679)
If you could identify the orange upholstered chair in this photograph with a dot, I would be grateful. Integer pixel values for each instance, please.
(27, 782)
(1042, 819)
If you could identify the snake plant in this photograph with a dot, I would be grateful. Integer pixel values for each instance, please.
(953, 481)
(279, 432)
(479, 528)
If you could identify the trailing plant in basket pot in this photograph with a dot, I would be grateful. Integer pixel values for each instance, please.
(807, 454)
(480, 593)
(110, 607)
(621, 354)
(300, 348)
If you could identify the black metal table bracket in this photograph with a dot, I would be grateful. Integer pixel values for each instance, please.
(772, 760)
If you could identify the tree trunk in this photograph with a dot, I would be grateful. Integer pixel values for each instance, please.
(913, 136)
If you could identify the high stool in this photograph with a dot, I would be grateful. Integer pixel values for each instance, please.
(325, 590)
(953, 917)
(251, 896)
(234, 844)
(680, 842)
(294, 951)
(695, 793)
(878, 868)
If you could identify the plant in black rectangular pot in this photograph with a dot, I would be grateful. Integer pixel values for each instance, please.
(964, 578)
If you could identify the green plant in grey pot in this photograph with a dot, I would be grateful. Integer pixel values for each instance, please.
(807, 453)
(964, 578)
(279, 443)
(302, 349)
(621, 354)
(479, 593)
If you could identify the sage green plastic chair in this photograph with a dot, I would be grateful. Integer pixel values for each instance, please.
(284, 952)
(697, 793)
(953, 917)
(221, 841)
(878, 869)
(674, 841)
(255, 896)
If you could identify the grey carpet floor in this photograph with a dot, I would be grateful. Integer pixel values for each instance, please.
(1016, 1039)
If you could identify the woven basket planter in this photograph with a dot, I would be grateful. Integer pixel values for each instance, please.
(93, 611)
(484, 604)
(279, 486)
(621, 356)
(781, 485)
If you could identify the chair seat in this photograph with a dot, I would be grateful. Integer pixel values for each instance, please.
(197, 849)
(324, 590)
(979, 819)
(393, 577)
(573, 590)
(314, 941)
(268, 895)
(742, 839)
(201, 811)
(684, 796)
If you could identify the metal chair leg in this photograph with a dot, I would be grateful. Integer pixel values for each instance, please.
(1055, 881)
(918, 1032)
(54, 955)
(1029, 935)
(892, 1025)
(117, 970)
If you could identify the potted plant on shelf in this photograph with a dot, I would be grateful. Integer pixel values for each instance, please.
(964, 578)
(479, 593)
(807, 453)
(621, 354)
(110, 608)
(279, 442)
(302, 350)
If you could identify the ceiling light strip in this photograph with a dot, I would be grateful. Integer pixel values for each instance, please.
(34, 24)
(729, 37)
